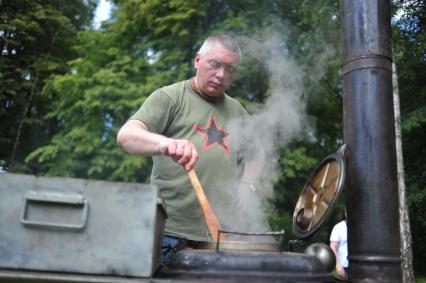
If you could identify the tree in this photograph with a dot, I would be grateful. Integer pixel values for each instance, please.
(404, 221)
(409, 44)
(314, 43)
(109, 83)
(36, 41)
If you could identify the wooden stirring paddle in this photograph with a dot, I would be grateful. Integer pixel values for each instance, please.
(212, 221)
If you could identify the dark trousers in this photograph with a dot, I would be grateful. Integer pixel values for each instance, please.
(171, 245)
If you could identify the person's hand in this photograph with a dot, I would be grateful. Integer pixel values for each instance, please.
(181, 151)
(340, 272)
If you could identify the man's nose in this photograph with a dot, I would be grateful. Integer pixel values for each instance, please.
(220, 73)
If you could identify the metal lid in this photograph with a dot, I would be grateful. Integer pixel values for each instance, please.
(319, 195)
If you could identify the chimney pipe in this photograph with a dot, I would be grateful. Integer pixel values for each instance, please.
(373, 229)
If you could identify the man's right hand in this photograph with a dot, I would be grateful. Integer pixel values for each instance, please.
(181, 151)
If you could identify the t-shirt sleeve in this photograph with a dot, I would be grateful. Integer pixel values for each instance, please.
(337, 233)
(334, 236)
(156, 112)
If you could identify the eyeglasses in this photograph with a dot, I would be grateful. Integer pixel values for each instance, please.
(215, 65)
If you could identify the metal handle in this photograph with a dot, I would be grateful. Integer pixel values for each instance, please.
(55, 198)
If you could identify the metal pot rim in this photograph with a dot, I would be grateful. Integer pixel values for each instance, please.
(270, 246)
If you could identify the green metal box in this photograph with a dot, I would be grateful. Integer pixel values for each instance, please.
(78, 226)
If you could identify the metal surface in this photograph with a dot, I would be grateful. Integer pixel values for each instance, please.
(210, 266)
(72, 227)
(248, 242)
(14, 276)
(372, 209)
(44, 200)
(237, 246)
(324, 253)
(319, 196)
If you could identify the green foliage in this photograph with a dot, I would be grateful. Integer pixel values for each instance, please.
(72, 87)
(313, 41)
(295, 164)
(101, 88)
(36, 40)
(409, 38)
(107, 84)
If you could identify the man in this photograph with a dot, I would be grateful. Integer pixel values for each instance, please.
(339, 245)
(188, 125)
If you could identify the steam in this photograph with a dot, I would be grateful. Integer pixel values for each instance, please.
(273, 125)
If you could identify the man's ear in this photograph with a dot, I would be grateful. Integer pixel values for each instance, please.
(196, 60)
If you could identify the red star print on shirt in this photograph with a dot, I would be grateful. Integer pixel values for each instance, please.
(214, 135)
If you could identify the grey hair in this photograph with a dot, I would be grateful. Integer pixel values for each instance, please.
(224, 40)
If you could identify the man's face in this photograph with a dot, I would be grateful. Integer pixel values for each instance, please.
(215, 70)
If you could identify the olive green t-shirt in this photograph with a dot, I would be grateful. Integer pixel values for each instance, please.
(178, 112)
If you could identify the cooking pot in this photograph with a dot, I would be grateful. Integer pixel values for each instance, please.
(246, 241)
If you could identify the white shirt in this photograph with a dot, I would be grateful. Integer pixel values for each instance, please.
(339, 234)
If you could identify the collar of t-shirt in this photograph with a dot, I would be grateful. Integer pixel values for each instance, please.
(209, 98)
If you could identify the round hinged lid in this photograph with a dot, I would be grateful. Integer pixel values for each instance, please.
(319, 195)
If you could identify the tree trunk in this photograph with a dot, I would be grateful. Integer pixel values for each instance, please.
(28, 103)
(24, 114)
(404, 221)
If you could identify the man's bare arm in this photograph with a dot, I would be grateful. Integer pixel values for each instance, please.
(135, 138)
(339, 269)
